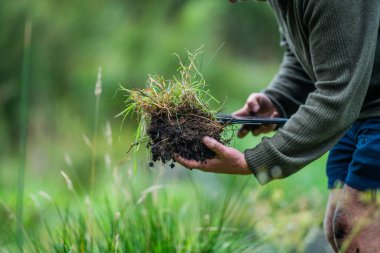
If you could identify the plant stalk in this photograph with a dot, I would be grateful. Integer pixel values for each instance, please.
(23, 133)
(98, 91)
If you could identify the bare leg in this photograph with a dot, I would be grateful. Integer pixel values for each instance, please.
(356, 223)
(330, 211)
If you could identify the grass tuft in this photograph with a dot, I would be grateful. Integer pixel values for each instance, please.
(186, 89)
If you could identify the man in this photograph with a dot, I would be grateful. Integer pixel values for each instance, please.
(329, 86)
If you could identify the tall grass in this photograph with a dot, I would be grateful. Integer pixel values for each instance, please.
(23, 133)
(136, 213)
(97, 93)
(154, 219)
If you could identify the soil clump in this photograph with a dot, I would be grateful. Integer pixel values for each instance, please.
(181, 133)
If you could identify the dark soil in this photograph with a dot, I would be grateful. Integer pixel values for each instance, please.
(181, 133)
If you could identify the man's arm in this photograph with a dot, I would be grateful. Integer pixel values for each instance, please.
(291, 86)
(342, 40)
(285, 94)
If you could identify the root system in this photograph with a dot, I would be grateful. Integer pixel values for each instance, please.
(181, 133)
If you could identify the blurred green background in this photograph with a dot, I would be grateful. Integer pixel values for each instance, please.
(129, 40)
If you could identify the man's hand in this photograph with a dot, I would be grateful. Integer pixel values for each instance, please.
(258, 105)
(227, 161)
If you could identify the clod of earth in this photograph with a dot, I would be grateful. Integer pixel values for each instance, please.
(181, 133)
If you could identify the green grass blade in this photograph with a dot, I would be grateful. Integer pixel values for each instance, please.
(23, 134)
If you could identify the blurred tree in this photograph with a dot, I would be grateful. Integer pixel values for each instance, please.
(251, 32)
(12, 21)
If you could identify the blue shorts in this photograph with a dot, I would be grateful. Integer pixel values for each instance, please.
(355, 159)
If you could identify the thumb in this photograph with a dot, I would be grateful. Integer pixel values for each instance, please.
(214, 145)
(254, 105)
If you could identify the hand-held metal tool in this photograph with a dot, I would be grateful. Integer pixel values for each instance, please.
(249, 120)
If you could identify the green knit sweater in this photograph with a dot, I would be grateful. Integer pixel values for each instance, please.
(329, 78)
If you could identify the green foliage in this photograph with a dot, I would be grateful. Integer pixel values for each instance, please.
(73, 38)
(171, 95)
(127, 217)
(129, 38)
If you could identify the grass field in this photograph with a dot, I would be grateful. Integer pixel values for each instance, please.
(159, 209)
(82, 193)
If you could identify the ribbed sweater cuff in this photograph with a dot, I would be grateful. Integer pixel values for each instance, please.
(263, 166)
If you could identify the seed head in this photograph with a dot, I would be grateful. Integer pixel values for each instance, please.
(98, 86)
(45, 195)
(68, 160)
(108, 133)
(87, 141)
(68, 181)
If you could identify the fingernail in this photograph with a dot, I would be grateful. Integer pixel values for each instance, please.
(206, 139)
(256, 108)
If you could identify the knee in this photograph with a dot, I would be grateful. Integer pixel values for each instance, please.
(341, 228)
(329, 232)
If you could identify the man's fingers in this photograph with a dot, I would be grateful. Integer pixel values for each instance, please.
(275, 115)
(257, 131)
(245, 129)
(242, 132)
(264, 129)
(253, 105)
(215, 146)
(191, 164)
(242, 112)
(211, 165)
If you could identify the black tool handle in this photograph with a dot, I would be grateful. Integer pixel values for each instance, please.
(249, 120)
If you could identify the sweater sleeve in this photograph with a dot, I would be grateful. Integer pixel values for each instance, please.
(291, 86)
(342, 38)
